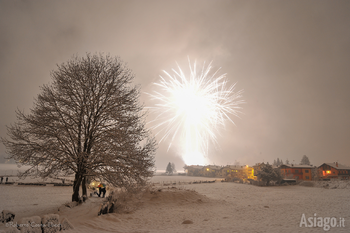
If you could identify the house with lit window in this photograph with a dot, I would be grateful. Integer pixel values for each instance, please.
(250, 172)
(298, 172)
(242, 172)
(228, 169)
(211, 170)
(333, 171)
(193, 170)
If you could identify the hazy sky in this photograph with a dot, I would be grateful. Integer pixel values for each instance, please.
(292, 58)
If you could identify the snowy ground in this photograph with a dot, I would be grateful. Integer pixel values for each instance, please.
(211, 207)
(25, 200)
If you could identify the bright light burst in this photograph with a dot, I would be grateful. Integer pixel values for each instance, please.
(194, 108)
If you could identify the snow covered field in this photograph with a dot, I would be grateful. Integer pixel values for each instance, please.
(209, 207)
(25, 200)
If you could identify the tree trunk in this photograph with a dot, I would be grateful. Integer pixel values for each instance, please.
(76, 186)
(83, 186)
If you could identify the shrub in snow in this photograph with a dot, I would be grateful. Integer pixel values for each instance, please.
(7, 216)
(30, 225)
(50, 223)
(66, 225)
(111, 207)
(103, 209)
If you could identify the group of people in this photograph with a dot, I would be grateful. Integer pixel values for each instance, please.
(2, 178)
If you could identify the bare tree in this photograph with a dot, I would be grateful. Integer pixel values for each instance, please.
(87, 122)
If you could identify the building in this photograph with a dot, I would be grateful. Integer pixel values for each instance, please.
(227, 170)
(241, 172)
(333, 171)
(250, 172)
(298, 172)
(211, 171)
(193, 170)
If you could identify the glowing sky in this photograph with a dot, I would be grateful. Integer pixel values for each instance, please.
(290, 57)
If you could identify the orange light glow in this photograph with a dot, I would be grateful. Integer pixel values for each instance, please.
(328, 172)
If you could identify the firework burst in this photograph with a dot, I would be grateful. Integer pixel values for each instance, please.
(193, 108)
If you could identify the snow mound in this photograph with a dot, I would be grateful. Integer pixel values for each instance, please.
(174, 196)
(125, 202)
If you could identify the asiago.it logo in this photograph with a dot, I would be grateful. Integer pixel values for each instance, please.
(325, 222)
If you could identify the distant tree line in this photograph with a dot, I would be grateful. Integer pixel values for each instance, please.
(304, 161)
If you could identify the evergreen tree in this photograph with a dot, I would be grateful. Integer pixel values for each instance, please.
(169, 169)
(287, 161)
(305, 160)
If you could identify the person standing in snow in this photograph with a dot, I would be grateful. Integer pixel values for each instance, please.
(7, 179)
(102, 189)
(99, 190)
(1, 179)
